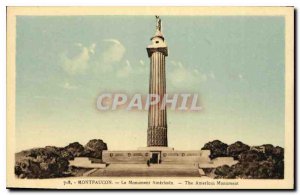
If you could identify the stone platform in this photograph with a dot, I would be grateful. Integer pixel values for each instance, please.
(84, 162)
(152, 162)
(156, 155)
(140, 170)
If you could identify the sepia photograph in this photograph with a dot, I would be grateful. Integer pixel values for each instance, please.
(150, 97)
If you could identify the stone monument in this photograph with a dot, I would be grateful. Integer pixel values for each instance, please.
(157, 134)
(157, 150)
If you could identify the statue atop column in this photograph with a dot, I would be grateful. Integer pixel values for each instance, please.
(158, 23)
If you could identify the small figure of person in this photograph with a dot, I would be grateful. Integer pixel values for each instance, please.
(158, 23)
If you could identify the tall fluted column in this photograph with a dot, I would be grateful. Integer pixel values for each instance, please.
(157, 115)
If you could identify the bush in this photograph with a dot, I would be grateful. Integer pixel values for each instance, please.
(235, 149)
(217, 149)
(52, 162)
(94, 148)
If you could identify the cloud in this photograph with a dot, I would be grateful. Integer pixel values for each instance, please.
(76, 60)
(125, 71)
(212, 75)
(113, 41)
(68, 86)
(180, 75)
(96, 57)
(112, 52)
(240, 76)
(142, 62)
(92, 48)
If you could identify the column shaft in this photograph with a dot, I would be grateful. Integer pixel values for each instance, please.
(157, 124)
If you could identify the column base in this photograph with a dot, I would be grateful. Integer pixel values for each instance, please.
(157, 137)
(156, 148)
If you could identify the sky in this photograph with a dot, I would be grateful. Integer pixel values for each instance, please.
(234, 63)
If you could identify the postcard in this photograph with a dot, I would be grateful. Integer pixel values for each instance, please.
(150, 97)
